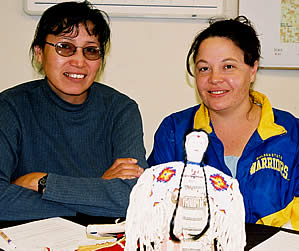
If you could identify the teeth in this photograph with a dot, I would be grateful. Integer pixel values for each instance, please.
(73, 75)
(217, 92)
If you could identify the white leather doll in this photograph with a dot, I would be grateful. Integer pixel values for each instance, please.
(186, 205)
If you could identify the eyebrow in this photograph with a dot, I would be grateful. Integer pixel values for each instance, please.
(72, 40)
(223, 61)
(230, 59)
(201, 61)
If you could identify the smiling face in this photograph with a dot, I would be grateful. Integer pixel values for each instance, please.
(70, 77)
(222, 77)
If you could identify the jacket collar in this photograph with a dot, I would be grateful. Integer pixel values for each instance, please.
(266, 128)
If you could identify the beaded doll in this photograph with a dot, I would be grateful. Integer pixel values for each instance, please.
(186, 205)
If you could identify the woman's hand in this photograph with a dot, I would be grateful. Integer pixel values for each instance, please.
(29, 181)
(124, 168)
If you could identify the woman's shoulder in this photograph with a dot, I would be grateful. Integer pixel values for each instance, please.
(22, 88)
(286, 119)
(281, 114)
(189, 112)
(111, 97)
(106, 90)
(19, 95)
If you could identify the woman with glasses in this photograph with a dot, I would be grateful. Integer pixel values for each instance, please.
(249, 140)
(68, 145)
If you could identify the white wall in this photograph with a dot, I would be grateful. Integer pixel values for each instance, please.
(147, 62)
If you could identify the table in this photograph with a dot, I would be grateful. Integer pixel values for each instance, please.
(255, 233)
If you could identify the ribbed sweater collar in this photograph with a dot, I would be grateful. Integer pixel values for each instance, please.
(56, 100)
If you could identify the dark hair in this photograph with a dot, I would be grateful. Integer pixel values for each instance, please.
(65, 17)
(239, 30)
(205, 229)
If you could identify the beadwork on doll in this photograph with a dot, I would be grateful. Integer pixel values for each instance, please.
(186, 205)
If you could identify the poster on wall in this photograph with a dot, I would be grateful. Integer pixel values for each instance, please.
(277, 24)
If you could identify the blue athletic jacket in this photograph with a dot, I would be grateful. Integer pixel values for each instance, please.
(267, 171)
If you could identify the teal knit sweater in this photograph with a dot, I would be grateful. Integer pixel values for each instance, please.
(74, 144)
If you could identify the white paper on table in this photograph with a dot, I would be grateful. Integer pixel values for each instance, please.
(56, 233)
(280, 241)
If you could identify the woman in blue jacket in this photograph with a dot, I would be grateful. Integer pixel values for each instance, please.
(249, 139)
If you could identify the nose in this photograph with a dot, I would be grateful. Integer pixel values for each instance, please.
(215, 77)
(78, 59)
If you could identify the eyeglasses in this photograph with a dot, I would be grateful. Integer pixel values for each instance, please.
(67, 49)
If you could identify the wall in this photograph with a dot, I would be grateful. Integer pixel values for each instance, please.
(147, 62)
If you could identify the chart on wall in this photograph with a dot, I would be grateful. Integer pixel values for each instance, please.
(196, 9)
(277, 24)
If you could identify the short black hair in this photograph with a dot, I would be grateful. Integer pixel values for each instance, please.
(239, 30)
(65, 17)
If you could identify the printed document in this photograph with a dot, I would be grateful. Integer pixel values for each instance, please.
(56, 234)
